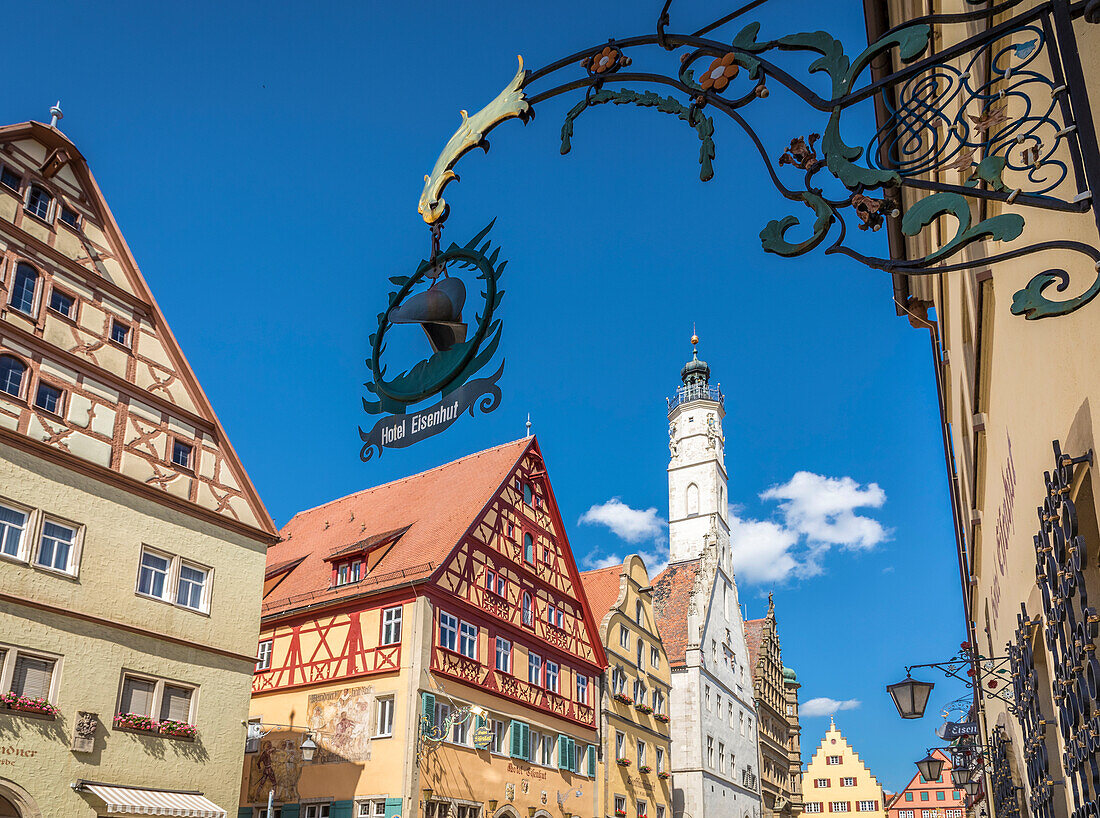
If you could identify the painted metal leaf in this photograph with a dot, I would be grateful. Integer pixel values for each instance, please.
(1005, 227)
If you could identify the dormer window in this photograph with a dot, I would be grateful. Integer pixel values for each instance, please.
(38, 202)
(348, 572)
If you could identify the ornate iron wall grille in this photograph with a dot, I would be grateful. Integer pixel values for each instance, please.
(1005, 802)
(1006, 109)
(1033, 722)
(1070, 633)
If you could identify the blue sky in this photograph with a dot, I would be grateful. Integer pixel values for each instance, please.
(264, 161)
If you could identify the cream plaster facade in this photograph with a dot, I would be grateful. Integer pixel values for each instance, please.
(95, 399)
(838, 781)
(1009, 388)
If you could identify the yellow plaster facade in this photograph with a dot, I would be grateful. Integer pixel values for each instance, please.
(838, 781)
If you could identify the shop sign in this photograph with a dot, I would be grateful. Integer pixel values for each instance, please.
(483, 737)
(959, 729)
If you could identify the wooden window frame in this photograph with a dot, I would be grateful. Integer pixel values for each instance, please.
(7, 667)
(159, 683)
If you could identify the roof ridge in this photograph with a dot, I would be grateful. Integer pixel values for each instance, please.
(448, 464)
(617, 566)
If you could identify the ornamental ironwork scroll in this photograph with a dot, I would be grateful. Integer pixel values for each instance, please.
(1006, 804)
(1070, 631)
(1004, 112)
(1033, 721)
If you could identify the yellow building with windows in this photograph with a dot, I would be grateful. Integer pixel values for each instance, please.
(838, 781)
(132, 544)
(635, 770)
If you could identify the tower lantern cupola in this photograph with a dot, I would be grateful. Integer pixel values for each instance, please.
(696, 379)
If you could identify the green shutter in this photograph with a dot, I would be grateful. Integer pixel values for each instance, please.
(592, 761)
(563, 752)
(393, 807)
(521, 740)
(480, 721)
(527, 742)
(428, 709)
(291, 811)
(340, 809)
(572, 755)
(244, 812)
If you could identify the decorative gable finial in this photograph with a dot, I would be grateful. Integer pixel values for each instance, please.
(528, 424)
(55, 114)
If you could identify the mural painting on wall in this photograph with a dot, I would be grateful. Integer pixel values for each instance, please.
(340, 722)
(277, 766)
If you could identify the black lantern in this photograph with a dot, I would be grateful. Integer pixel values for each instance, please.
(972, 787)
(910, 697)
(930, 767)
(308, 748)
(959, 776)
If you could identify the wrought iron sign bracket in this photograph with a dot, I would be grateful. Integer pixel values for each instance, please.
(995, 669)
(1000, 118)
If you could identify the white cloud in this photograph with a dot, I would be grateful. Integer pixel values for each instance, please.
(826, 707)
(761, 549)
(631, 524)
(823, 509)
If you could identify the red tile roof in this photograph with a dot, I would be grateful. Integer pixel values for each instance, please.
(438, 507)
(671, 599)
(601, 586)
(754, 636)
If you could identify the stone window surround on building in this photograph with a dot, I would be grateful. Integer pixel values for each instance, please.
(172, 580)
(9, 657)
(156, 697)
(28, 549)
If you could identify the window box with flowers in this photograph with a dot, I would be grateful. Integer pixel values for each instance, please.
(642, 707)
(177, 729)
(623, 762)
(132, 721)
(645, 768)
(25, 704)
(663, 775)
(622, 698)
(620, 813)
(661, 717)
(147, 724)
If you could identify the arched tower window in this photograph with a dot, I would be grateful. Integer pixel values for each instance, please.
(23, 288)
(12, 371)
(692, 500)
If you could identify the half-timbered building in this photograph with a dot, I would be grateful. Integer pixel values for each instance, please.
(132, 543)
(431, 636)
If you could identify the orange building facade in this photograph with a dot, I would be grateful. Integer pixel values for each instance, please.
(432, 638)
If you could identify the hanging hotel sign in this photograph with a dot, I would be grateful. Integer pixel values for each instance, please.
(483, 737)
(434, 297)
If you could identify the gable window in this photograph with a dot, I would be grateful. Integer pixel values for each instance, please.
(908, 796)
(38, 202)
(624, 637)
(924, 796)
(941, 795)
(504, 655)
(13, 527)
(70, 217)
(57, 547)
(263, 655)
(23, 288)
(348, 572)
(48, 398)
(554, 615)
(10, 179)
(448, 631)
(832, 760)
(534, 669)
(639, 613)
(29, 675)
(61, 303)
(495, 582)
(11, 375)
(120, 333)
(547, 557)
(391, 626)
(847, 782)
(528, 494)
(468, 641)
(552, 676)
(528, 610)
(654, 657)
(582, 689)
(529, 548)
(181, 454)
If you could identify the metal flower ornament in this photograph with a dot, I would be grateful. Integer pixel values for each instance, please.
(994, 121)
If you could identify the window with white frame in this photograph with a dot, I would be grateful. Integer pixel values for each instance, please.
(660, 759)
(620, 745)
(315, 810)
(554, 615)
(867, 806)
(620, 805)
(710, 752)
(639, 613)
(448, 631)
(821, 782)
(156, 698)
(905, 813)
(840, 806)
(722, 758)
(832, 759)
(12, 375)
(468, 641)
(660, 811)
(442, 713)
(499, 728)
(642, 809)
(640, 662)
(38, 202)
(847, 782)
(618, 680)
(391, 626)
(26, 674)
(641, 753)
(654, 657)
(13, 531)
(24, 289)
(815, 806)
(927, 813)
(460, 733)
(10, 178)
(552, 676)
(372, 809)
(383, 725)
(706, 696)
(534, 669)
(624, 637)
(546, 758)
(953, 813)
(504, 655)
(528, 610)
(170, 578)
(263, 655)
(582, 689)
(496, 583)
(658, 702)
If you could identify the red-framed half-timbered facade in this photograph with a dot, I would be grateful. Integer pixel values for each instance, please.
(409, 602)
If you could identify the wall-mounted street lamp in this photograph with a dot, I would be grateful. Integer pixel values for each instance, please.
(428, 793)
(531, 812)
(959, 776)
(308, 748)
(910, 697)
(972, 787)
(492, 805)
(930, 767)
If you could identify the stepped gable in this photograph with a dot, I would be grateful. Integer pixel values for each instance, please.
(428, 512)
(602, 586)
(834, 733)
(672, 592)
(130, 396)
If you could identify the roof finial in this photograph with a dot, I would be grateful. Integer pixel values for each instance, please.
(694, 341)
(528, 424)
(55, 114)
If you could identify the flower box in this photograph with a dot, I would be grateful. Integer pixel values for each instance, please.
(623, 698)
(623, 762)
(661, 717)
(176, 729)
(25, 704)
(620, 813)
(132, 721)
(645, 768)
(642, 707)
(663, 776)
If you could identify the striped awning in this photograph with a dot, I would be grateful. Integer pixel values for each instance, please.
(136, 801)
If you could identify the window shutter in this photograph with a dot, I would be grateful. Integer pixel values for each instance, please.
(428, 708)
(592, 761)
(176, 704)
(137, 697)
(563, 752)
(526, 749)
(480, 721)
(572, 755)
(32, 677)
(516, 750)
